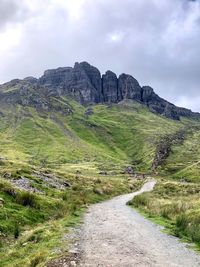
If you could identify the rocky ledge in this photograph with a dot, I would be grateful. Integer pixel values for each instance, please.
(85, 84)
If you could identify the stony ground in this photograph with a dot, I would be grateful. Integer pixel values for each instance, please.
(114, 235)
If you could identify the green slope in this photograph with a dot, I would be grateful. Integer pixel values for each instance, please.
(124, 133)
(184, 161)
(75, 148)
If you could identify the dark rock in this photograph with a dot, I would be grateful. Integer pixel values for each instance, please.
(7, 175)
(110, 87)
(31, 79)
(129, 88)
(66, 184)
(148, 94)
(129, 170)
(98, 181)
(83, 82)
(94, 76)
(158, 105)
(103, 173)
(89, 111)
(55, 77)
(164, 147)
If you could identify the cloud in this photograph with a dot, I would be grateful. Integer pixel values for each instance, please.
(157, 41)
(8, 10)
(12, 11)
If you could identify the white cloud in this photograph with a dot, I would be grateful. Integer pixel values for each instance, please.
(157, 41)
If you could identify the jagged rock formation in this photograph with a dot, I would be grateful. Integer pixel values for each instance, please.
(110, 87)
(85, 84)
(129, 88)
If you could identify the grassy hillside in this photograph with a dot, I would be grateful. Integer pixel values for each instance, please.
(121, 133)
(184, 161)
(53, 164)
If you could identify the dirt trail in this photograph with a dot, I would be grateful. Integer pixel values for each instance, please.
(115, 235)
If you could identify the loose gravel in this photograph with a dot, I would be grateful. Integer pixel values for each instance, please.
(115, 235)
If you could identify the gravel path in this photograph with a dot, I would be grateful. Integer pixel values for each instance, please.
(115, 235)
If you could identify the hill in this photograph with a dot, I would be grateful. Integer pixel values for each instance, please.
(74, 137)
(85, 84)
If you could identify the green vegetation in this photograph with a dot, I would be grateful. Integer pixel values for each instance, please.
(37, 222)
(52, 165)
(184, 161)
(117, 134)
(174, 205)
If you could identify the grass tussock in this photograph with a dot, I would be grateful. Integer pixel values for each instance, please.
(27, 199)
(35, 222)
(175, 205)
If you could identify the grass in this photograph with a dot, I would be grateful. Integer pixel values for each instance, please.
(37, 246)
(183, 162)
(174, 205)
(76, 149)
(33, 225)
(119, 134)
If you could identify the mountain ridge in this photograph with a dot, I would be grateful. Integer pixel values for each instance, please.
(88, 86)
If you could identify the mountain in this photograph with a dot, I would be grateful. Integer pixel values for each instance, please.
(75, 137)
(85, 84)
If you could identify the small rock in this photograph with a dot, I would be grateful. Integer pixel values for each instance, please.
(129, 170)
(72, 263)
(7, 175)
(97, 181)
(98, 191)
(67, 184)
(89, 111)
(103, 173)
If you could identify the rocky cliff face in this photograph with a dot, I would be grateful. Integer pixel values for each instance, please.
(129, 88)
(110, 87)
(85, 84)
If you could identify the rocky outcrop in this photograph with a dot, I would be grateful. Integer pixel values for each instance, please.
(84, 83)
(129, 88)
(29, 93)
(157, 104)
(161, 106)
(110, 87)
(164, 147)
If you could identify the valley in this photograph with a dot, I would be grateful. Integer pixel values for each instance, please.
(59, 154)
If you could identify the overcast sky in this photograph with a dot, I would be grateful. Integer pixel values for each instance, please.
(156, 41)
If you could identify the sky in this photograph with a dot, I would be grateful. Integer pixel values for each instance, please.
(156, 41)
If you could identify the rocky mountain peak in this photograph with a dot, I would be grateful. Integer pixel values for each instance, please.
(85, 84)
(110, 87)
(129, 87)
